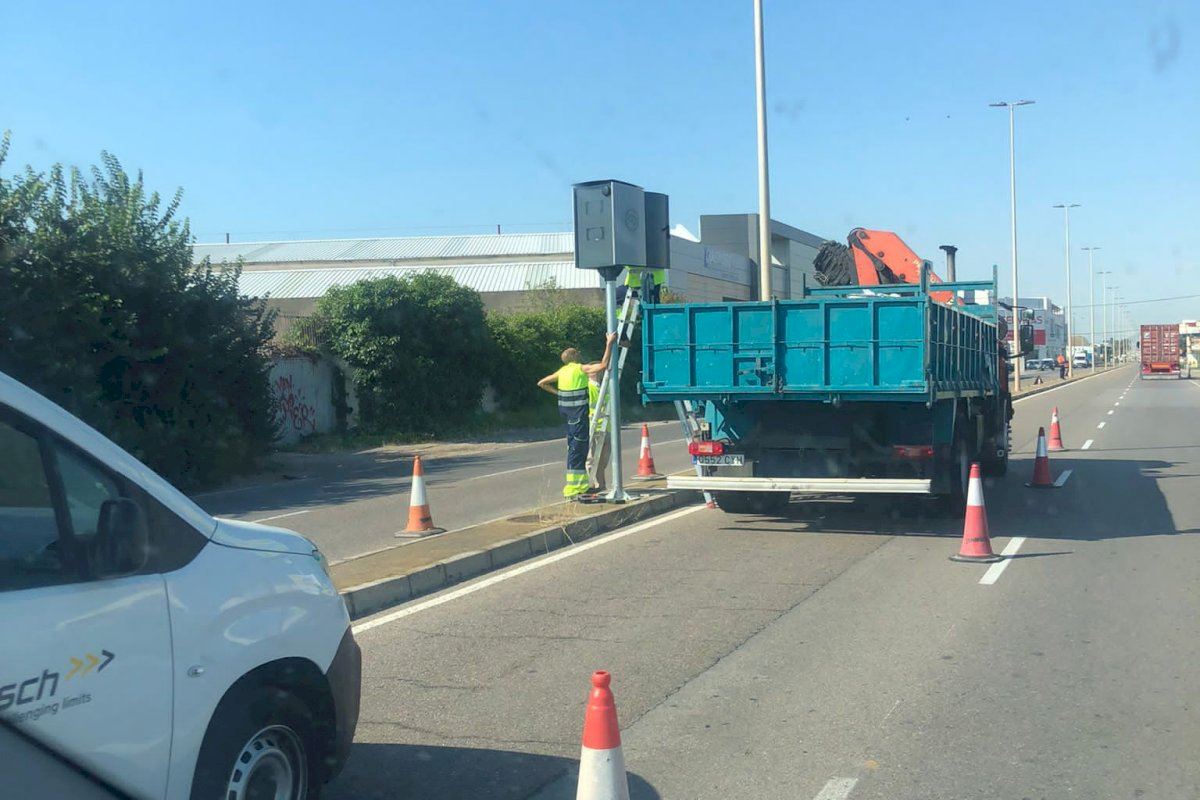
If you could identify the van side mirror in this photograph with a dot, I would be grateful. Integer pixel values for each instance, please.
(1025, 335)
(122, 545)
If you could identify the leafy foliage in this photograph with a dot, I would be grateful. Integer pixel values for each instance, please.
(103, 312)
(417, 345)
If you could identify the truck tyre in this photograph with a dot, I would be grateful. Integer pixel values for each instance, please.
(992, 466)
(752, 502)
(260, 743)
(958, 468)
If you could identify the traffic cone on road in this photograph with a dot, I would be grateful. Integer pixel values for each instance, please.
(1041, 465)
(601, 764)
(976, 542)
(1056, 443)
(420, 521)
(646, 470)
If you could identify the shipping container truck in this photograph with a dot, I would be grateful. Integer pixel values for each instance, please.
(846, 390)
(1159, 346)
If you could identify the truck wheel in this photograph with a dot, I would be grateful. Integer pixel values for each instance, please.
(954, 502)
(260, 743)
(752, 502)
(996, 467)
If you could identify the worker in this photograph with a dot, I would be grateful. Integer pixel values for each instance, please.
(1062, 367)
(633, 280)
(598, 456)
(569, 383)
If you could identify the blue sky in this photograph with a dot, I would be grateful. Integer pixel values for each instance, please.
(312, 120)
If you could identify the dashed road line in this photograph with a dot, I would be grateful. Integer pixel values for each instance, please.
(996, 570)
(281, 516)
(1086, 444)
(1110, 412)
(1061, 481)
(837, 789)
(1101, 425)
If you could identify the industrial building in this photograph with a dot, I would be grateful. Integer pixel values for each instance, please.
(506, 269)
(1049, 325)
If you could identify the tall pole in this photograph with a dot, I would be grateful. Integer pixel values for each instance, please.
(1012, 186)
(1104, 310)
(1092, 306)
(764, 190)
(1066, 207)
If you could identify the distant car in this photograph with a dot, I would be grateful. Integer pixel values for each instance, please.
(1048, 363)
(1033, 363)
(1081, 362)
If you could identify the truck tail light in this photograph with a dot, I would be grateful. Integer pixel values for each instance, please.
(706, 448)
(913, 451)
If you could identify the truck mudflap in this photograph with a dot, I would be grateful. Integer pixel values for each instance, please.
(812, 485)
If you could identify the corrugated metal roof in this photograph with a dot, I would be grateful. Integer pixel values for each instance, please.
(312, 283)
(390, 249)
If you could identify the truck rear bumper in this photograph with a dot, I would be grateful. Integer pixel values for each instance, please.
(811, 485)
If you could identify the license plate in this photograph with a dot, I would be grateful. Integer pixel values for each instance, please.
(731, 460)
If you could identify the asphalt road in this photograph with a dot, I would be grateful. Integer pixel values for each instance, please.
(360, 510)
(834, 652)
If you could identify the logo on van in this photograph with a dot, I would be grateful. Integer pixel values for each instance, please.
(43, 689)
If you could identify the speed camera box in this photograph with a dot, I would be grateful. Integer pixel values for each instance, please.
(610, 225)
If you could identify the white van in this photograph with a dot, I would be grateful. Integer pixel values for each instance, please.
(172, 654)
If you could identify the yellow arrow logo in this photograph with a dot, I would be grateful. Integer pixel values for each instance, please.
(92, 662)
(76, 664)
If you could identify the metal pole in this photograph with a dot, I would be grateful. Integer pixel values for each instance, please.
(1066, 207)
(617, 493)
(764, 191)
(1092, 306)
(1012, 180)
(1104, 312)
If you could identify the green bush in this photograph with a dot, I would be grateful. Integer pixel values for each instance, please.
(103, 312)
(417, 345)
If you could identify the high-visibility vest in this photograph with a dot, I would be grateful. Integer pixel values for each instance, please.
(572, 387)
(633, 276)
(593, 398)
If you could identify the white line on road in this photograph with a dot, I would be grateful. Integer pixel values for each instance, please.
(837, 789)
(509, 471)
(1110, 412)
(281, 516)
(996, 570)
(574, 550)
(1101, 425)
(1117, 403)
(1062, 479)
(1086, 444)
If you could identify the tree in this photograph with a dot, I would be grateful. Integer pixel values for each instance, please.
(417, 345)
(103, 312)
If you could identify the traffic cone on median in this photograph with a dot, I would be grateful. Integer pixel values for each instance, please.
(1041, 465)
(420, 521)
(646, 470)
(601, 764)
(1056, 442)
(976, 542)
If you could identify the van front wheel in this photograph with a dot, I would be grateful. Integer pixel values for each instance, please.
(260, 743)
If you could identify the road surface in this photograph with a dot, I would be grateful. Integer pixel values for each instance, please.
(360, 511)
(834, 652)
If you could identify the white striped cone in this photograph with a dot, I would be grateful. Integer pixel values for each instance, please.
(420, 520)
(646, 470)
(601, 763)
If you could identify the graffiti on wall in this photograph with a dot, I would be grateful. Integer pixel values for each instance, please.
(293, 411)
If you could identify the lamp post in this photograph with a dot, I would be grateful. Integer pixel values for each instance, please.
(1011, 105)
(1104, 311)
(1066, 207)
(764, 191)
(1092, 305)
(1112, 303)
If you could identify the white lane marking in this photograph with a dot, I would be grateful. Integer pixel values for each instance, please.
(996, 570)
(1061, 481)
(281, 516)
(509, 471)
(1101, 425)
(837, 789)
(500, 577)
(1117, 403)
(1086, 444)
(1110, 412)
(895, 705)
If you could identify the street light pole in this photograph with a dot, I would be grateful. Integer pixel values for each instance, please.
(764, 191)
(1112, 311)
(1092, 306)
(1104, 311)
(1066, 207)
(1012, 187)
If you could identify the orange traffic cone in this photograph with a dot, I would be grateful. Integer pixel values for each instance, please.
(1056, 443)
(646, 470)
(601, 763)
(1041, 465)
(976, 541)
(420, 522)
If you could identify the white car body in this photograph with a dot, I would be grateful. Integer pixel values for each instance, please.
(122, 674)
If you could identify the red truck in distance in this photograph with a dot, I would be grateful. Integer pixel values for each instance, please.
(1160, 355)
